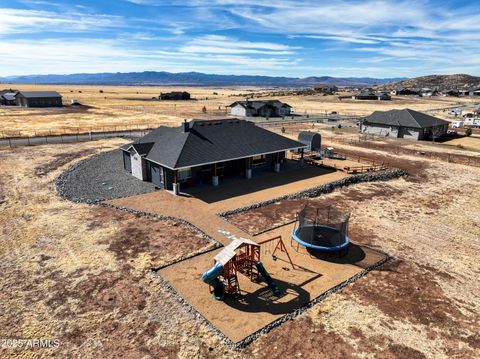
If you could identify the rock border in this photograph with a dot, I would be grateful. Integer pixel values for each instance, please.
(309, 193)
(214, 243)
(392, 173)
(196, 315)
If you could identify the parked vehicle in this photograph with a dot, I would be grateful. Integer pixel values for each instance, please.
(455, 112)
(458, 124)
(472, 122)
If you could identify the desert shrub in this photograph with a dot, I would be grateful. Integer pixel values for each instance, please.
(468, 132)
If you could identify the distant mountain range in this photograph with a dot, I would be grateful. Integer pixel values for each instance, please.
(193, 79)
(440, 82)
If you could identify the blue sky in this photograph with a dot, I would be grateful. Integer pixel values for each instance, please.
(280, 38)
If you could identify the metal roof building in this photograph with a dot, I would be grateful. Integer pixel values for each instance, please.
(39, 99)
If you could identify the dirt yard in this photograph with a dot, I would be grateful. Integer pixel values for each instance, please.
(110, 108)
(72, 272)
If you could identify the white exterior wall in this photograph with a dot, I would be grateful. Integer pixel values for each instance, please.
(238, 110)
(139, 169)
(412, 134)
(378, 130)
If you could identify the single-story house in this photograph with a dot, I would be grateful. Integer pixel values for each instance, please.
(451, 92)
(404, 123)
(8, 99)
(38, 99)
(262, 108)
(475, 91)
(325, 88)
(367, 95)
(204, 151)
(409, 91)
(175, 95)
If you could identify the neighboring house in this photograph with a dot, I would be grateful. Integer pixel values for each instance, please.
(409, 92)
(404, 124)
(325, 88)
(175, 95)
(204, 151)
(8, 99)
(474, 91)
(262, 108)
(428, 92)
(38, 99)
(369, 95)
(451, 92)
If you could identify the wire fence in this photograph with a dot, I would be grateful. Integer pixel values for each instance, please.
(371, 142)
(75, 130)
(69, 138)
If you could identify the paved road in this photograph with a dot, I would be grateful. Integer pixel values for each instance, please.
(41, 140)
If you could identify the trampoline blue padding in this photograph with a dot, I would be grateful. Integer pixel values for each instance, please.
(320, 237)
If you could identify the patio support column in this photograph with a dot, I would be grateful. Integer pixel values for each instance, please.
(175, 184)
(301, 158)
(248, 168)
(215, 175)
(277, 162)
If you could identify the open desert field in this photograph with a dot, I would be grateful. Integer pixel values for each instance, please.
(81, 274)
(112, 108)
(470, 143)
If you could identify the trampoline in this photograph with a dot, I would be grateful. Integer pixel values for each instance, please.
(322, 229)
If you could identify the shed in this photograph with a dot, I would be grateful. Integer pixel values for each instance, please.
(312, 140)
(39, 99)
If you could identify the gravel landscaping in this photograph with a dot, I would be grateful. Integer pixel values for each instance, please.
(99, 178)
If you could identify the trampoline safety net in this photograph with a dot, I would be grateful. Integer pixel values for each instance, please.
(322, 227)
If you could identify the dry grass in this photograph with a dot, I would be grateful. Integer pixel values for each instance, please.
(77, 273)
(469, 143)
(69, 272)
(131, 107)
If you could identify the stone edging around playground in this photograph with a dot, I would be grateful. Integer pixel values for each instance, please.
(312, 192)
(252, 337)
(389, 174)
(215, 244)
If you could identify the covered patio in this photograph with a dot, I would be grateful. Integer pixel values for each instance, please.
(204, 152)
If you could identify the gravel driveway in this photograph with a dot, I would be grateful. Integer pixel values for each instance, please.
(98, 178)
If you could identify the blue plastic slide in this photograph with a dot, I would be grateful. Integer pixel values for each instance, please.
(271, 284)
(211, 277)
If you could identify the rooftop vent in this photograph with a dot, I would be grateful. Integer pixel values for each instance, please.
(185, 126)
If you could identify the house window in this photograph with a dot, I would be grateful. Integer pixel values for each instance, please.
(184, 174)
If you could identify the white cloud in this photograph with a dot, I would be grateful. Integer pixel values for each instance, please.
(215, 44)
(29, 21)
(91, 55)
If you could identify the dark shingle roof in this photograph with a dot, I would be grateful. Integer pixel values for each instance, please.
(256, 104)
(37, 94)
(211, 141)
(405, 118)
